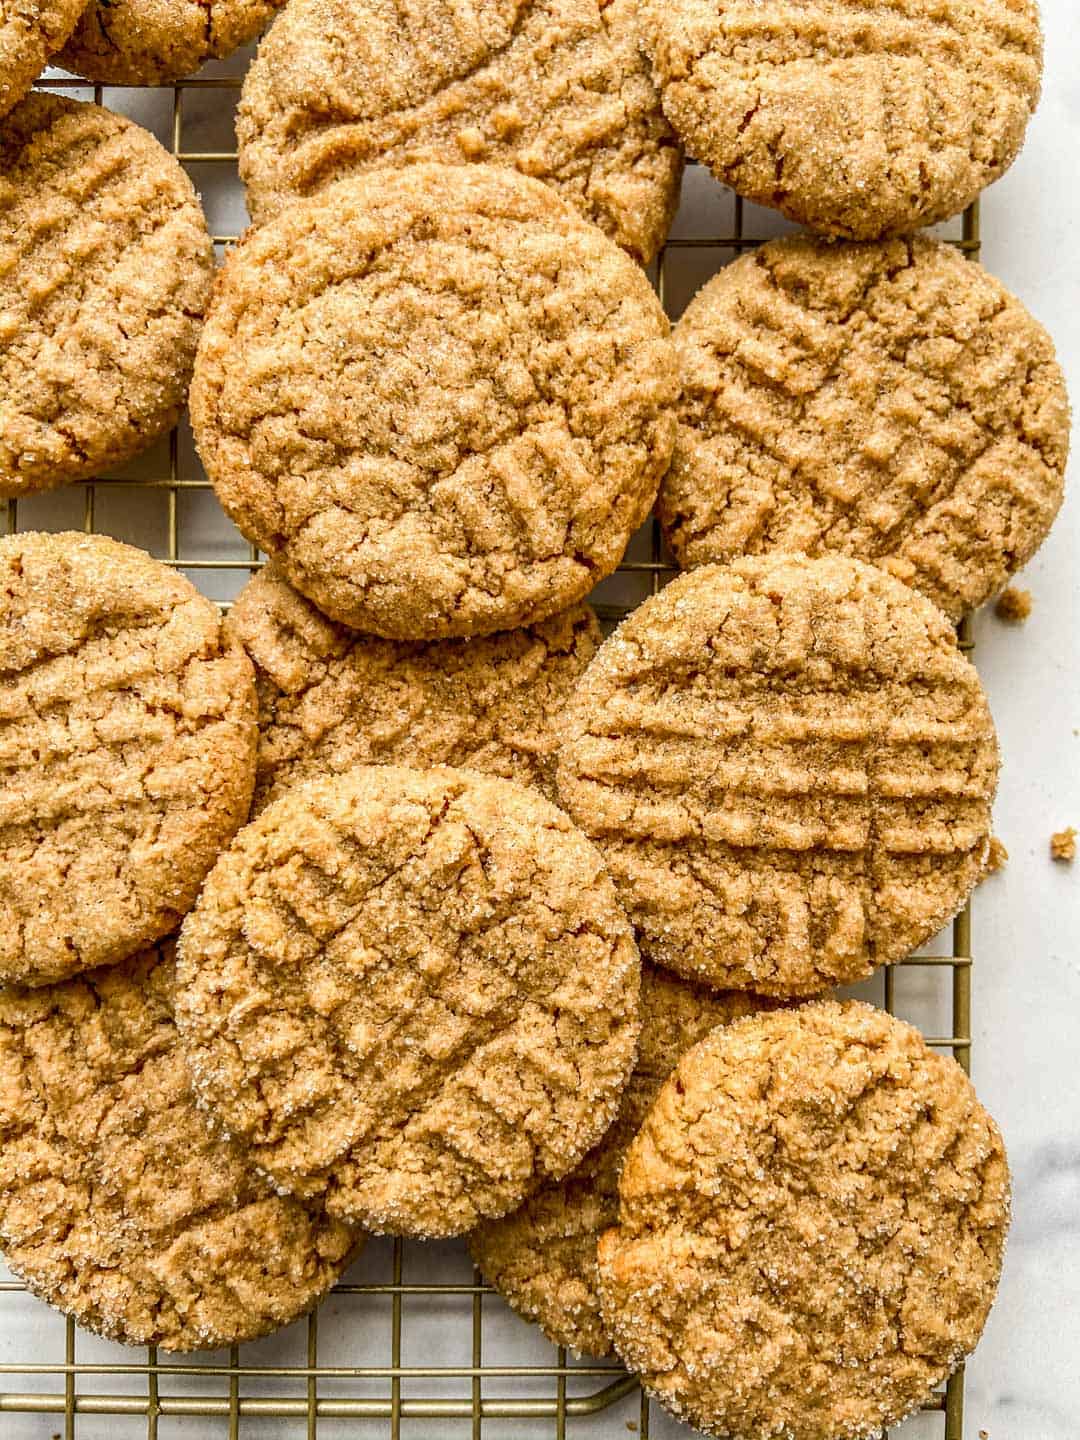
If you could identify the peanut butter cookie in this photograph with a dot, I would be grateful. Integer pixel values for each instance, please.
(331, 698)
(811, 1227)
(153, 42)
(105, 272)
(117, 1204)
(412, 994)
(788, 767)
(557, 89)
(891, 401)
(542, 1257)
(31, 31)
(856, 119)
(127, 751)
(439, 396)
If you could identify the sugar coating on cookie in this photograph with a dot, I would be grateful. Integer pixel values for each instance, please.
(811, 1227)
(854, 119)
(442, 399)
(789, 768)
(106, 273)
(557, 89)
(412, 994)
(127, 751)
(153, 42)
(331, 698)
(29, 35)
(542, 1257)
(117, 1203)
(890, 401)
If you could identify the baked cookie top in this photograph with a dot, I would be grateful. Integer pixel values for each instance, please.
(439, 396)
(557, 89)
(31, 31)
(412, 994)
(542, 1257)
(117, 1204)
(105, 272)
(890, 400)
(855, 119)
(811, 1227)
(788, 767)
(127, 751)
(153, 42)
(331, 698)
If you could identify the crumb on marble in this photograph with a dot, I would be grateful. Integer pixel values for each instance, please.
(1063, 845)
(998, 857)
(1014, 605)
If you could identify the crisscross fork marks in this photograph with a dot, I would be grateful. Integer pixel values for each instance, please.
(412, 992)
(789, 768)
(892, 402)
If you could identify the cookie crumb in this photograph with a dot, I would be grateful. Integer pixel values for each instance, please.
(998, 857)
(1063, 845)
(1014, 605)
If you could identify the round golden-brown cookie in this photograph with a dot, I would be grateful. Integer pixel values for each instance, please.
(31, 31)
(439, 396)
(856, 119)
(788, 767)
(811, 1227)
(542, 1257)
(557, 89)
(117, 1203)
(127, 751)
(105, 272)
(153, 42)
(412, 994)
(331, 698)
(891, 401)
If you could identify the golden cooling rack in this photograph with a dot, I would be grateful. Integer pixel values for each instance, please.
(161, 503)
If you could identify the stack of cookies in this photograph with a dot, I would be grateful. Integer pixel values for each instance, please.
(400, 901)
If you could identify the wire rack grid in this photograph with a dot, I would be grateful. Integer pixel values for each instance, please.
(235, 1395)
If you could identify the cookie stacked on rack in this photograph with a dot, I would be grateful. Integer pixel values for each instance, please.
(413, 820)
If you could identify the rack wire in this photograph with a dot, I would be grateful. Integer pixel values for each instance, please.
(364, 1398)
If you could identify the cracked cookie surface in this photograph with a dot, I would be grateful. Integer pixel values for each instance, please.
(789, 768)
(442, 399)
(558, 89)
(890, 401)
(331, 698)
(127, 751)
(412, 994)
(31, 31)
(105, 273)
(811, 1227)
(153, 42)
(858, 118)
(117, 1203)
(542, 1257)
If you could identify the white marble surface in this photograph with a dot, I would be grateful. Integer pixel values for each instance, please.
(1024, 1382)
